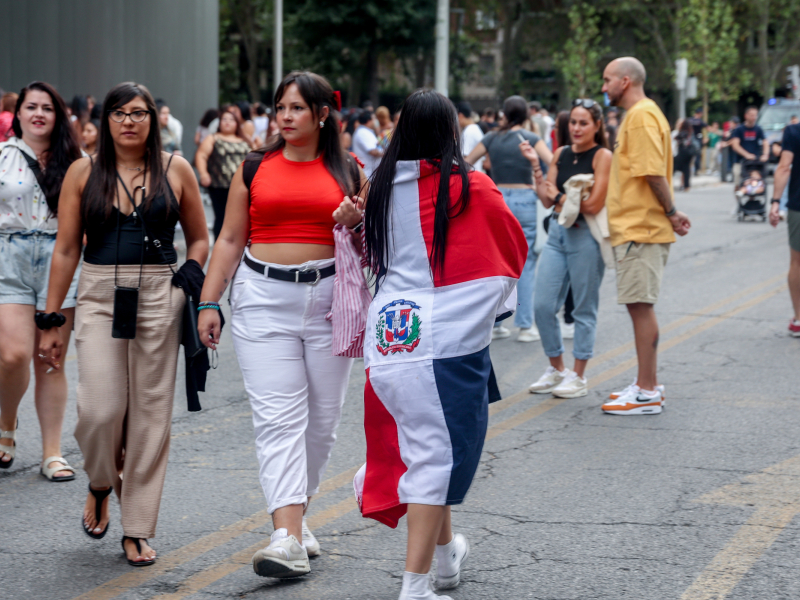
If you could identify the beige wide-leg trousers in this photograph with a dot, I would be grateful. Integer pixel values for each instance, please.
(126, 388)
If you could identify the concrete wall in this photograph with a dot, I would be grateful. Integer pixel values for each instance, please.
(88, 46)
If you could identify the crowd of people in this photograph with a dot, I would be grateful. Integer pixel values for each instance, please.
(90, 197)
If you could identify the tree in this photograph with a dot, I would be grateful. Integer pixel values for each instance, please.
(244, 24)
(347, 40)
(579, 61)
(776, 31)
(709, 40)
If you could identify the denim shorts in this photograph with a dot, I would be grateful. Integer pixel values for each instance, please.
(25, 269)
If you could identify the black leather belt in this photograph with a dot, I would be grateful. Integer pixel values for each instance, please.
(309, 276)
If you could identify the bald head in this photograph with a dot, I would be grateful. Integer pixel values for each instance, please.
(630, 67)
(623, 81)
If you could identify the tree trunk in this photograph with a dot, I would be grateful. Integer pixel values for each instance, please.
(372, 74)
(767, 80)
(512, 11)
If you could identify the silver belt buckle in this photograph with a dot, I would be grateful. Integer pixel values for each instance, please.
(315, 282)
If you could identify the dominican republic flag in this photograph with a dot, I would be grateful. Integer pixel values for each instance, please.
(426, 346)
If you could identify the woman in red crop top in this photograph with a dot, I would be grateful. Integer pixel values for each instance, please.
(280, 296)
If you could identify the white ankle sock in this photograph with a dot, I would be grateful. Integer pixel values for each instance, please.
(446, 558)
(416, 586)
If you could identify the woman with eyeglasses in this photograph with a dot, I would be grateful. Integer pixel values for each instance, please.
(32, 167)
(127, 200)
(576, 183)
(512, 174)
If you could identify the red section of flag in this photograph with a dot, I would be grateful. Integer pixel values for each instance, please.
(486, 240)
(385, 467)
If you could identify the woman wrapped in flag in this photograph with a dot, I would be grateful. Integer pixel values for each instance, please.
(447, 253)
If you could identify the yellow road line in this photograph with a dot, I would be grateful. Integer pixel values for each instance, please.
(182, 555)
(739, 555)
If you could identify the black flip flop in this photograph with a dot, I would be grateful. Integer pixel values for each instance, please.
(136, 563)
(99, 496)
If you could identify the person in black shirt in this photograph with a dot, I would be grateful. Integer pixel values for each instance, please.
(790, 160)
(749, 142)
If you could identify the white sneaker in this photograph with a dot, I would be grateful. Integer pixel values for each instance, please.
(635, 401)
(549, 381)
(417, 586)
(568, 331)
(284, 557)
(660, 388)
(310, 542)
(449, 560)
(572, 386)
(499, 333)
(530, 334)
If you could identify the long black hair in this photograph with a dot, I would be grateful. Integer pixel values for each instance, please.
(64, 146)
(317, 93)
(427, 130)
(101, 188)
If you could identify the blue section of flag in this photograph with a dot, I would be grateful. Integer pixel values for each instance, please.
(462, 383)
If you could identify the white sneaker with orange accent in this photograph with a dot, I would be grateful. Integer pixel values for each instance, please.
(635, 401)
(660, 388)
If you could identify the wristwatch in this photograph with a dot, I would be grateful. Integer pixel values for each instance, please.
(357, 228)
(559, 195)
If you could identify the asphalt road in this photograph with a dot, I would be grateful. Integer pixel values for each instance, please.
(569, 503)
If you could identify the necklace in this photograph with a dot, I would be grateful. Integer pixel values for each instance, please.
(579, 155)
(129, 168)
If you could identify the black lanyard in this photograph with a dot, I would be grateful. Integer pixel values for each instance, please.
(135, 215)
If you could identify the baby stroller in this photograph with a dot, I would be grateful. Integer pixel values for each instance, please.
(752, 197)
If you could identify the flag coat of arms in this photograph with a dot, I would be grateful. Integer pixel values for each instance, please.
(426, 349)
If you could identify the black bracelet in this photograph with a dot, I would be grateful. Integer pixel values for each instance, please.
(775, 201)
(49, 320)
(671, 212)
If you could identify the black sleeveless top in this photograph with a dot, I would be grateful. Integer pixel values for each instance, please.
(101, 234)
(569, 164)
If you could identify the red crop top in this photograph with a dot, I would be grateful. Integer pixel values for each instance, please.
(293, 202)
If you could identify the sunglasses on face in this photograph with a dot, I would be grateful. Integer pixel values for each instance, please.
(586, 103)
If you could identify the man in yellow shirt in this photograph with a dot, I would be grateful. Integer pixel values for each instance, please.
(642, 221)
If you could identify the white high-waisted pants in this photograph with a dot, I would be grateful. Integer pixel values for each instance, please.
(296, 387)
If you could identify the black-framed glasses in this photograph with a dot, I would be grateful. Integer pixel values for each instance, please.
(136, 116)
(586, 103)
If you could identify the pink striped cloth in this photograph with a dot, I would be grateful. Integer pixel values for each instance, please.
(351, 297)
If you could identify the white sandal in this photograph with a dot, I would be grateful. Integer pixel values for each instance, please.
(50, 471)
(10, 450)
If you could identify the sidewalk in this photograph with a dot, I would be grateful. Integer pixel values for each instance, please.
(698, 181)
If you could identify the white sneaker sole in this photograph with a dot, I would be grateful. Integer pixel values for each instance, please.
(543, 391)
(448, 583)
(639, 410)
(578, 394)
(268, 566)
(528, 339)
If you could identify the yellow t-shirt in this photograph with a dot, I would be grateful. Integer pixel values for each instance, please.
(643, 147)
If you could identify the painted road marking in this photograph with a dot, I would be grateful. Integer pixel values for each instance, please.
(183, 555)
(775, 492)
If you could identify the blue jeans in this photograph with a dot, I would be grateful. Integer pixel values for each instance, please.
(571, 257)
(522, 203)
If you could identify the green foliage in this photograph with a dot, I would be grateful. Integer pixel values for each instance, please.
(579, 61)
(463, 49)
(346, 41)
(709, 37)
